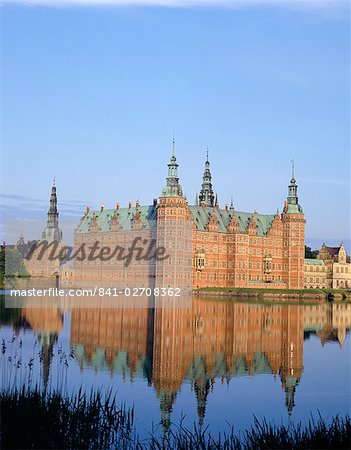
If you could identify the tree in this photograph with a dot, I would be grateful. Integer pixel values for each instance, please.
(11, 264)
(310, 254)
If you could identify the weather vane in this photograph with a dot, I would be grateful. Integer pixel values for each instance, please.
(293, 167)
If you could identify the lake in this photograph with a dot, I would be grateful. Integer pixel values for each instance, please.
(217, 362)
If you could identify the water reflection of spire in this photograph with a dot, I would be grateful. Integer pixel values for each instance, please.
(167, 400)
(202, 389)
(47, 341)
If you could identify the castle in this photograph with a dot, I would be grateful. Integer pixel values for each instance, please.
(207, 245)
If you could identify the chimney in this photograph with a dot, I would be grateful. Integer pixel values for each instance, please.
(226, 206)
(87, 211)
(137, 204)
(102, 208)
(155, 202)
(202, 204)
(117, 207)
(129, 205)
(217, 206)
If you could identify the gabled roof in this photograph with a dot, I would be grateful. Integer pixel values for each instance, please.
(333, 251)
(125, 218)
(201, 217)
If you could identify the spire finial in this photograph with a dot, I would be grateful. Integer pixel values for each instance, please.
(293, 168)
(54, 182)
(173, 144)
(206, 194)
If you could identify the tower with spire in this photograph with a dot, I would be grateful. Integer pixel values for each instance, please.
(206, 194)
(293, 200)
(293, 237)
(173, 187)
(52, 232)
(174, 232)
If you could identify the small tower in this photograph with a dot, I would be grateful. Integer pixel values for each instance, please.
(293, 200)
(206, 194)
(172, 188)
(52, 231)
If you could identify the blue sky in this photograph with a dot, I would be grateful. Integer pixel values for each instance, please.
(92, 95)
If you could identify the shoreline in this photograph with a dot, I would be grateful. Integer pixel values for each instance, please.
(303, 295)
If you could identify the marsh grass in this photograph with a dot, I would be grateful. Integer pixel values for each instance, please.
(317, 435)
(38, 420)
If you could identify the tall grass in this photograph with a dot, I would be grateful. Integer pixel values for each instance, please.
(38, 420)
(317, 435)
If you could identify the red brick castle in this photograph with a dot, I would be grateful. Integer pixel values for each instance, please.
(226, 248)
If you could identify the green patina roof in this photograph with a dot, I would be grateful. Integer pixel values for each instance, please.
(200, 216)
(294, 209)
(314, 262)
(125, 218)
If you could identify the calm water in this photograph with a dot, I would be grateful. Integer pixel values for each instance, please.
(215, 362)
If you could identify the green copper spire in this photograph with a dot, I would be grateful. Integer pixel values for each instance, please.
(172, 188)
(206, 194)
(293, 200)
(52, 231)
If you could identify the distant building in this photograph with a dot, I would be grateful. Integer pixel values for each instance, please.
(339, 266)
(315, 274)
(331, 269)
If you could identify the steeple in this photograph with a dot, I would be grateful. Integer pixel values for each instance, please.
(52, 231)
(293, 200)
(206, 194)
(172, 188)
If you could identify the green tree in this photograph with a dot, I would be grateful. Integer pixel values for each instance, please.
(309, 253)
(11, 265)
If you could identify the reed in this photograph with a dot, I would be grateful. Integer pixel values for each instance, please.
(41, 420)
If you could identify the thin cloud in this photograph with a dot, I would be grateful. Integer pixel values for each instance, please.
(315, 4)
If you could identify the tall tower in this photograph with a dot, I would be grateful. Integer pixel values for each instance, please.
(174, 232)
(206, 194)
(293, 238)
(52, 231)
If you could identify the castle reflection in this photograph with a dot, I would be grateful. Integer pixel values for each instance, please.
(212, 340)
